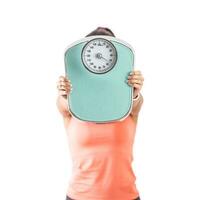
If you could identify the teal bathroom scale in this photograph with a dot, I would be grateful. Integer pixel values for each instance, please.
(98, 67)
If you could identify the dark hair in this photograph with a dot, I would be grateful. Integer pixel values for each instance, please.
(101, 31)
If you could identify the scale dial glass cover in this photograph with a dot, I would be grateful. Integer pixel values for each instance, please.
(99, 55)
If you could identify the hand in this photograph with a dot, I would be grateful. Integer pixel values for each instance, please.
(135, 80)
(64, 86)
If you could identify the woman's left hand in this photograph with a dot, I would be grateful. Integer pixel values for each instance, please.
(135, 80)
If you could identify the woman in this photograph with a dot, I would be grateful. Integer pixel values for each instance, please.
(101, 153)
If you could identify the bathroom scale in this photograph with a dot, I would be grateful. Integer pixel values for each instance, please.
(98, 67)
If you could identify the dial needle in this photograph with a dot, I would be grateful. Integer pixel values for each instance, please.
(104, 58)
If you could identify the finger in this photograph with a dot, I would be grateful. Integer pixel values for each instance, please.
(137, 72)
(61, 78)
(131, 72)
(65, 84)
(136, 81)
(63, 92)
(135, 85)
(67, 91)
(63, 87)
(67, 79)
(64, 80)
(139, 76)
(138, 86)
(136, 77)
(59, 84)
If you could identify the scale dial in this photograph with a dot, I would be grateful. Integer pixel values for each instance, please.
(99, 55)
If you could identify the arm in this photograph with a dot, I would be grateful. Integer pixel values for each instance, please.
(135, 80)
(136, 108)
(62, 105)
(64, 88)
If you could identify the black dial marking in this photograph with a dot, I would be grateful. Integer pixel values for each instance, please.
(99, 55)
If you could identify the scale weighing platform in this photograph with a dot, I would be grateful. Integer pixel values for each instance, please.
(98, 67)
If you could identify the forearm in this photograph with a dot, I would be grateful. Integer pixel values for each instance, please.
(137, 106)
(62, 105)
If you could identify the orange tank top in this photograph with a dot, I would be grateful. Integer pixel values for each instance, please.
(101, 157)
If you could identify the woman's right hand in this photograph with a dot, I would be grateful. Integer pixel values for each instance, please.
(64, 86)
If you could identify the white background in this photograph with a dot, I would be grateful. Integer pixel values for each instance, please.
(35, 161)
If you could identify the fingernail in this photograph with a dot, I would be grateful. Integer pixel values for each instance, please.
(131, 73)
